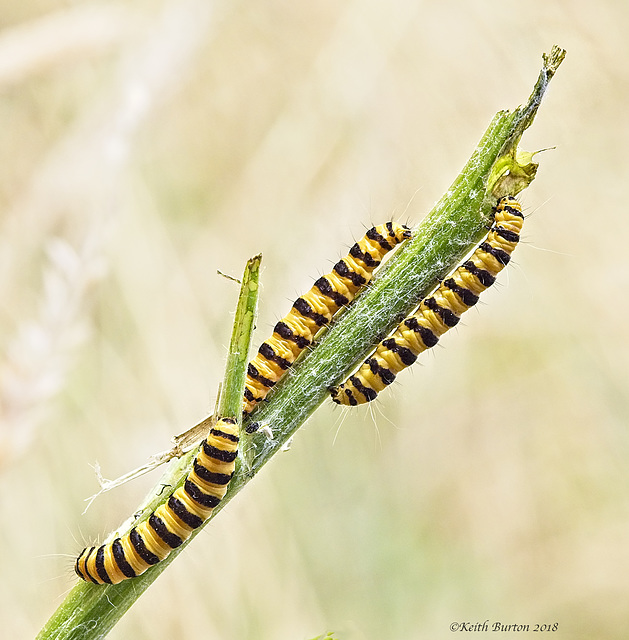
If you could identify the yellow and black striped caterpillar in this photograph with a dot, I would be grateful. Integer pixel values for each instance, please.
(172, 522)
(439, 312)
(316, 308)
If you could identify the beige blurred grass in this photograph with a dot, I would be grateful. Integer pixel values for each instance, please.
(146, 146)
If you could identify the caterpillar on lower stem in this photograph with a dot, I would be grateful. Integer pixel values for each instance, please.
(437, 313)
(316, 308)
(172, 522)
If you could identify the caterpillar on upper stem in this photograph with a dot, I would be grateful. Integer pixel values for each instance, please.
(316, 308)
(437, 313)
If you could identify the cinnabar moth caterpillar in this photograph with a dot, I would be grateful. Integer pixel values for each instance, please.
(437, 313)
(172, 522)
(313, 310)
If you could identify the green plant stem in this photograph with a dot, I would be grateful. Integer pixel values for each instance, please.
(448, 232)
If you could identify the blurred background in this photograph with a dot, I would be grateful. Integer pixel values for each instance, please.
(144, 145)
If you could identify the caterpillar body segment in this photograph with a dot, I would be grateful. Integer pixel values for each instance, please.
(439, 312)
(172, 522)
(316, 308)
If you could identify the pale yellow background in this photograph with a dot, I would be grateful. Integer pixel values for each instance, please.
(146, 144)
